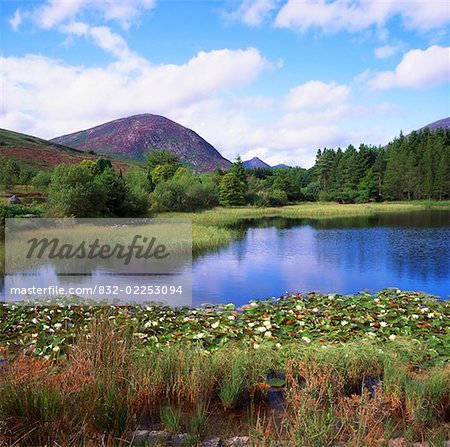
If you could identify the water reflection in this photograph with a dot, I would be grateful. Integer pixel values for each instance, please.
(345, 255)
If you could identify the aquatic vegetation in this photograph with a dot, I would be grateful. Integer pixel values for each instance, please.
(388, 315)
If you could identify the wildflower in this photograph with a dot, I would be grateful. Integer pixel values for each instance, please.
(377, 300)
(262, 329)
(392, 337)
(301, 323)
(231, 317)
(34, 321)
(215, 325)
(298, 307)
(268, 334)
(306, 339)
(253, 304)
(383, 324)
(267, 324)
(251, 324)
(199, 336)
(344, 323)
(55, 349)
(58, 325)
(430, 315)
(371, 334)
(255, 345)
(315, 309)
(415, 316)
(34, 335)
(278, 345)
(331, 297)
(424, 309)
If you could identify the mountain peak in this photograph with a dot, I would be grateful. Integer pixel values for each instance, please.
(134, 136)
(255, 162)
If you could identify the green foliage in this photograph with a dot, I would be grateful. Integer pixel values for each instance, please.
(161, 173)
(7, 211)
(9, 174)
(41, 180)
(115, 192)
(73, 192)
(139, 187)
(103, 164)
(238, 170)
(171, 418)
(232, 190)
(92, 166)
(163, 157)
(183, 194)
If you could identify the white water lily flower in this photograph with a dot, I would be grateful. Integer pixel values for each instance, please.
(344, 323)
(301, 323)
(58, 325)
(268, 334)
(215, 325)
(267, 324)
(430, 315)
(34, 335)
(424, 309)
(255, 345)
(34, 321)
(377, 300)
(231, 317)
(306, 339)
(253, 304)
(298, 307)
(199, 335)
(383, 324)
(262, 329)
(415, 316)
(315, 309)
(251, 324)
(331, 297)
(371, 334)
(55, 349)
(278, 345)
(392, 337)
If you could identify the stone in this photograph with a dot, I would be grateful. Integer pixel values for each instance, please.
(238, 441)
(140, 437)
(158, 436)
(179, 440)
(398, 442)
(212, 441)
(14, 200)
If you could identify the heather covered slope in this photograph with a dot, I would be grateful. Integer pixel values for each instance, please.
(133, 137)
(42, 154)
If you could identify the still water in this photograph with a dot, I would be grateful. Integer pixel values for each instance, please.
(346, 255)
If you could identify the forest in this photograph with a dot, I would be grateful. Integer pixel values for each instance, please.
(414, 167)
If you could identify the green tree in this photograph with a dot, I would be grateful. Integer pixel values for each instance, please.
(238, 170)
(232, 190)
(41, 180)
(103, 164)
(162, 173)
(162, 157)
(74, 192)
(92, 166)
(115, 191)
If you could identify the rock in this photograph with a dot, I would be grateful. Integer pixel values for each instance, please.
(30, 216)
(140, 437)
(145, 438)
(238, 441)
(212, 441)
(14, 200)
(179, 440)
(398, 442)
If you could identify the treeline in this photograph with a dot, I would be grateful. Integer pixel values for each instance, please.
(409, 168)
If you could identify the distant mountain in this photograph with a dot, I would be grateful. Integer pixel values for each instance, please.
(135, 136)
(443, 123)
(255, 162)
(281, 166)
(43, 154)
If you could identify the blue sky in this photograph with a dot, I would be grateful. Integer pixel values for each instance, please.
(276, 79)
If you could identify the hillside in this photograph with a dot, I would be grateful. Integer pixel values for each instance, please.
(43, 154)
(135, 136)
(443, 123)
(255, 162)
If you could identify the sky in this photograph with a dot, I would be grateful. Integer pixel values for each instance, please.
(277, 79)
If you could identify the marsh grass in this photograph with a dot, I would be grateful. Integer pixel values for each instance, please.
(171, 418)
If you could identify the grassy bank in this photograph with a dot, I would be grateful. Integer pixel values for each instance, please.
(349, 370)
(214, 228)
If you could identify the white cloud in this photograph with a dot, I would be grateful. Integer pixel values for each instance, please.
(253, 12)
(57, 12)
(316, 95)
(418, 69)
(60, 98)
(354, 16)
(386, 51)
(16, 20)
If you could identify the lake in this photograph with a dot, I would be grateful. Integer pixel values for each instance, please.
(410, 251)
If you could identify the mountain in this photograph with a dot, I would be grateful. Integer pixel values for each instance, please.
(42, 154)
(133, 137)
(443, 123)
(255, 162)
(281, 166)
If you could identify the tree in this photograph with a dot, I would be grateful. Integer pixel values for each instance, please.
(41, 180)
(92, 166)
(162, 173)
(73, 192)
(115, 191)
(103, 164)
(9, 174)
(232, 190)
(162, 157)
(238, 170)
(139, 188)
